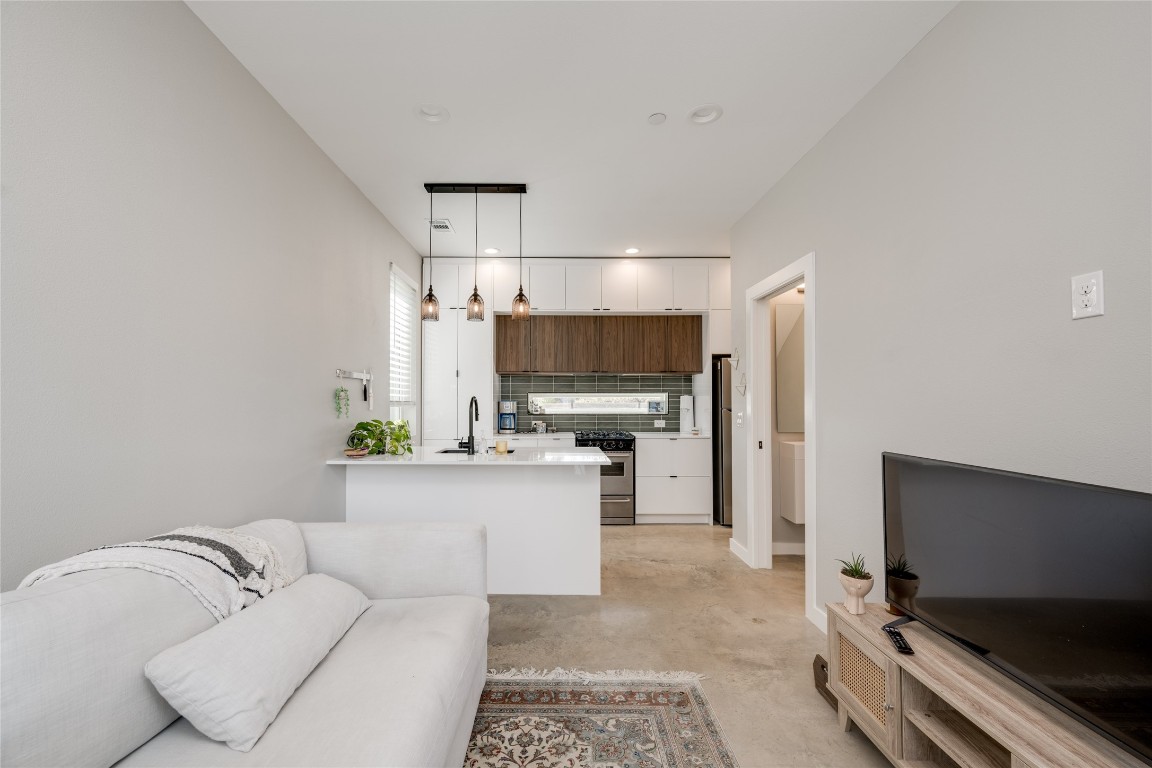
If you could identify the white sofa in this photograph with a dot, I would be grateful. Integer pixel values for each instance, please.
(401, 688)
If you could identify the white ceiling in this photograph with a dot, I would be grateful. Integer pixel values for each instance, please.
(557, 95)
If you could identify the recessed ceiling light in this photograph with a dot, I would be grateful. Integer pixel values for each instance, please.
(706, 113)
(631, 251)
(657, 118)
(433, 113)
(491, 251)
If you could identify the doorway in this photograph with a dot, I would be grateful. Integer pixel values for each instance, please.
(767, 457)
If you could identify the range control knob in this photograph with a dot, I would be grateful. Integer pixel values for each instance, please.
(609, 444)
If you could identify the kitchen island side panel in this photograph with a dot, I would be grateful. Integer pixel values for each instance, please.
(543, 522)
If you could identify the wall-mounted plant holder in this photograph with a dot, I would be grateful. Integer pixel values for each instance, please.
(735, 359)
(742, 387)
(364, 376)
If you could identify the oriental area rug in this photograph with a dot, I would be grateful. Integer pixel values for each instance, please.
(616, 719)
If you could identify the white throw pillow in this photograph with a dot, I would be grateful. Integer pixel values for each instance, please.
(230, 681)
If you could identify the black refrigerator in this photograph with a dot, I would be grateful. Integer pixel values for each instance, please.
(722, 439)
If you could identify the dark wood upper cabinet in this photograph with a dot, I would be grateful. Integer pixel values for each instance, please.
(600, 343)
(580, 344)
(621, 343)
(512, 345)
(547, 342)
(685, 344)
(654, 340)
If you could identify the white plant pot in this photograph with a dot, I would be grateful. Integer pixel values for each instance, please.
(855, 589)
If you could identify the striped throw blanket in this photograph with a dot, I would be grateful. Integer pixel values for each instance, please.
(226, 571)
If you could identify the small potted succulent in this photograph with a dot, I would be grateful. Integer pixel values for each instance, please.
(378, 437)
(857, 583)
(903, 584)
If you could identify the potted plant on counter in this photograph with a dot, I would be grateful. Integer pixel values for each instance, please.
(857, 583)
(378, 437)
(903, 584)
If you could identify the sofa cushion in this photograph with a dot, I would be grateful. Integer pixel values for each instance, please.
(286, 537)
(390, 693)
(231, 681)
(72, 685)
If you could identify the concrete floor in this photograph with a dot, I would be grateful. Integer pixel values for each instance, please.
(675, 598)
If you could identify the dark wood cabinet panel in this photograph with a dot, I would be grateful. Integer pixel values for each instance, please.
(599, 343)
(685, 344)
(621, 343)
(547, 342)
(580, 343)
(512, 345)
(654, 340)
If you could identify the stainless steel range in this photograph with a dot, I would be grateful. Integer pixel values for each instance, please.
(617, 480)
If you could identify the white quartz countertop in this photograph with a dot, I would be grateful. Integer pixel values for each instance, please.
(667, 435)
(522, 457)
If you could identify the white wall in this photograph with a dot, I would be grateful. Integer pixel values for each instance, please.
(183, 272)
(947, 211)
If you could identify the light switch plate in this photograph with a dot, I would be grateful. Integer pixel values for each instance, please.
(658, 422)
(1088, 295)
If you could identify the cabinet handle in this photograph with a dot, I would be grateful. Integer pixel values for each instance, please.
(888, 707)
(673, 476)
(668, 309)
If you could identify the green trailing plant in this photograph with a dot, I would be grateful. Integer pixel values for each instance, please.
(900, 568)
(341, 400)
(854, 568)
(379, 437)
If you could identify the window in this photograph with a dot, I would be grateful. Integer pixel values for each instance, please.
(403, 329)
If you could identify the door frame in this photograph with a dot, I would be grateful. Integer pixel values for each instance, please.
(759, 507)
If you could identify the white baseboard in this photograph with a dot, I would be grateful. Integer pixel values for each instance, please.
(818, 617)
(741, 552)
(673, 519)
(788, 548)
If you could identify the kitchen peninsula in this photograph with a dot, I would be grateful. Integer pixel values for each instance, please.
(541, 507)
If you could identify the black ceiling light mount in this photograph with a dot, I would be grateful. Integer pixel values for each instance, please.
(492, 188)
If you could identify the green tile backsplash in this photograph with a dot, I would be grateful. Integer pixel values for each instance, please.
(517, 388)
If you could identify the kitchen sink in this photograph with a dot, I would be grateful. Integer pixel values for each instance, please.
(464, 450)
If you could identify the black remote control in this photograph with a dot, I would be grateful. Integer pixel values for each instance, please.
(898, 640)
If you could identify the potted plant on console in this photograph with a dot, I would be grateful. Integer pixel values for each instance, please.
(857, 583)
(902, 583)
(379, 437)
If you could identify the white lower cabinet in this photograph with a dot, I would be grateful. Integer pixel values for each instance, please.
(673, 480)
(556, 441)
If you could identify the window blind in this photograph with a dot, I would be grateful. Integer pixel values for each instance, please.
(402, 339)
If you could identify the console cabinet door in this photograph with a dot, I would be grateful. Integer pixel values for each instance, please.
(867, 686)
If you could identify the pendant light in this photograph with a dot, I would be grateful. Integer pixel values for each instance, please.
(475, 303)
(430, 306)
(520, 306)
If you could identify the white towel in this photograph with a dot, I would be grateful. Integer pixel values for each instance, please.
(226, 571)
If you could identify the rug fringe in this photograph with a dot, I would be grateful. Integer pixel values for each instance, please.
(588, 678)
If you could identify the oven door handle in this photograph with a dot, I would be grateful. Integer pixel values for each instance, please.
(615, 501)
(617, 453)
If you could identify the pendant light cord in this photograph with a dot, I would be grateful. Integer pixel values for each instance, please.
(476, 244)
(430, 196)
(521, 196)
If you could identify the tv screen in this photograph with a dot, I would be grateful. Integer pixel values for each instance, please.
(1050, 581)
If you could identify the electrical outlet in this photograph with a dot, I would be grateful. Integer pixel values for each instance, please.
(1088, 295)
(658, 422)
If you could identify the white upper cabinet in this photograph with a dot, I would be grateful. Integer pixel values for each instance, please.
(720, 332)
(720, 285)
(689, 286)
(438, 378)
(654, 280)
(444, 284)
(505, 284)
(547, 286)
(582, 288)
(618, 287)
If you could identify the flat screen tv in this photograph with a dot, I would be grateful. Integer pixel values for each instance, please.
(1048, 581)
